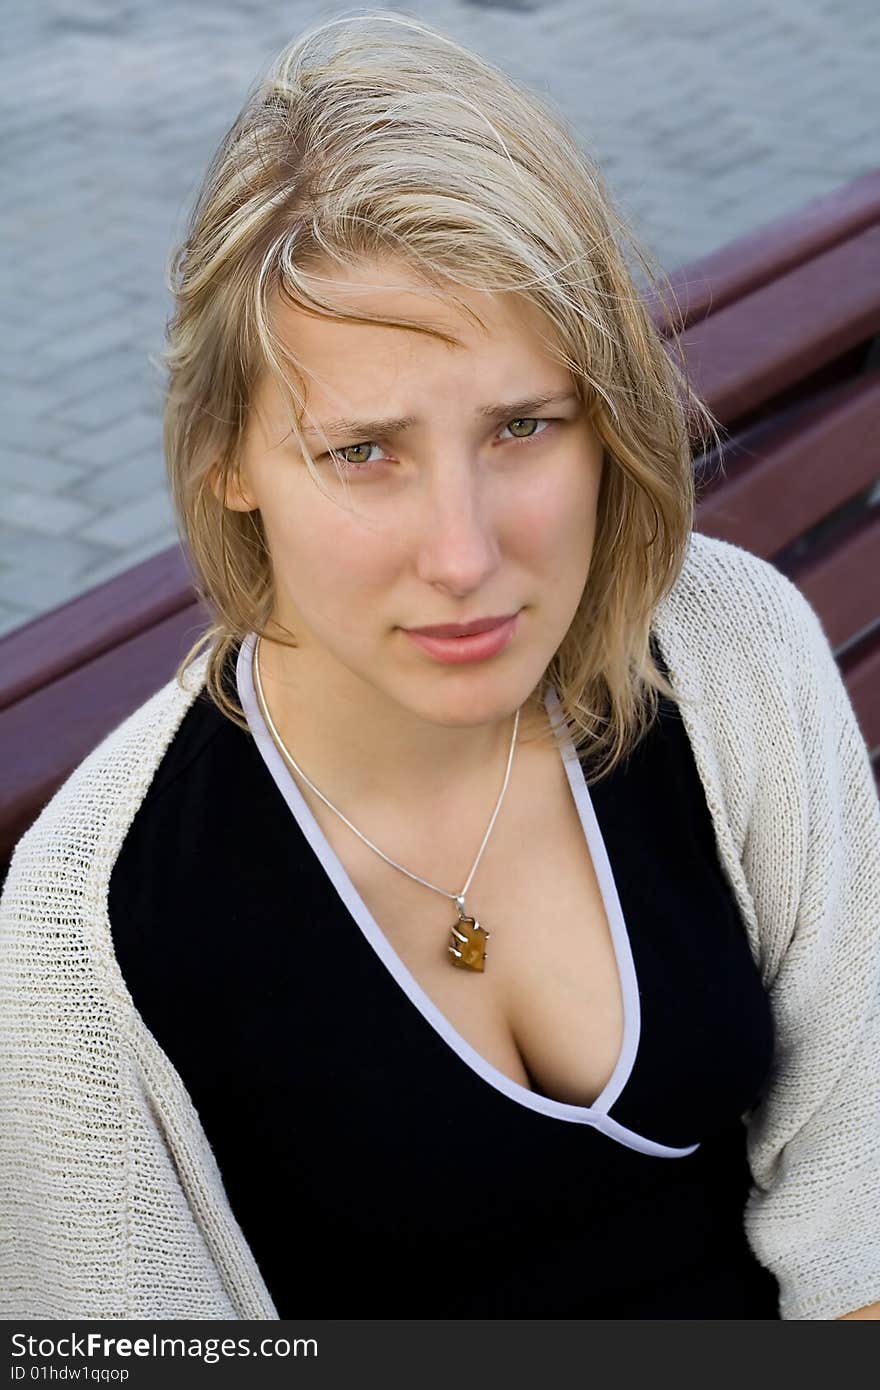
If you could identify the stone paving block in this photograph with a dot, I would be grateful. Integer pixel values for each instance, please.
(70, 256)
(117, 400)
(779, 198)
(11, 616)
(25, 426)
(22, 360)
(132, 523)
(18, 308)
(76, 311)
(125, 481)
(116, 442)
(39, 590)
(40, 472)
(64, 383)
(32, 555)
(46, 515)
(125, 559)
(95, 338)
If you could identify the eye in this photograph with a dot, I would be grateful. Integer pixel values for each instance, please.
(527, 420)
(361, 451)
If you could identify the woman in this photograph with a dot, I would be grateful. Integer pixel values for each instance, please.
(485, 922)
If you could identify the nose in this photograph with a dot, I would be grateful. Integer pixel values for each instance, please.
(457, 542)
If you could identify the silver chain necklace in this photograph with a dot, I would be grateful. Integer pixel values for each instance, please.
(467, 938)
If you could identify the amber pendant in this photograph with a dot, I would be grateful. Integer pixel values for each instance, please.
(467, 943)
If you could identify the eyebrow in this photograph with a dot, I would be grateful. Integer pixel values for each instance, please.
(502, 410)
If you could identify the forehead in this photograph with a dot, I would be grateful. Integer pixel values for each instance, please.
(495, 345)
(392, 290)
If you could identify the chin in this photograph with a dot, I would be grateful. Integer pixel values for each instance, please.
(469, 708)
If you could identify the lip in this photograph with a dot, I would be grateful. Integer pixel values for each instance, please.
(462, 629)
(477, 647)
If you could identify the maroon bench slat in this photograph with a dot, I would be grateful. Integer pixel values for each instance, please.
(755, 348)
(843, 584)
(781, 476)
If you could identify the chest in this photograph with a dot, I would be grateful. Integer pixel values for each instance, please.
(547, 1011)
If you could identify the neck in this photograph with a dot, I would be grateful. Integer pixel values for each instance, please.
(383, 750)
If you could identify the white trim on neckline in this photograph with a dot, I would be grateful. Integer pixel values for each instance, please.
(596, 1114)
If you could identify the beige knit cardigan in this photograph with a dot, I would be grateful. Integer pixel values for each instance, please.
(111, 1200)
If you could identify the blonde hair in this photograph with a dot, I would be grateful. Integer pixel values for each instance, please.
(378, 135)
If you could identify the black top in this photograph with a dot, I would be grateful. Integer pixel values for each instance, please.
(375, 1172)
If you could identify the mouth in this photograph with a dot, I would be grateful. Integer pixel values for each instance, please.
(470, 629)
(486, 638)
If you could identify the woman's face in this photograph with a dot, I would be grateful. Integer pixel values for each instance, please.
(471, 501)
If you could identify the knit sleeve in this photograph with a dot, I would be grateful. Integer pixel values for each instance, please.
(813, 1215)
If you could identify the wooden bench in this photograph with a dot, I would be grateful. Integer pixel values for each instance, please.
(780, 331)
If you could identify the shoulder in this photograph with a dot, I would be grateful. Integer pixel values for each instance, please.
(722, 583)
(739, 636)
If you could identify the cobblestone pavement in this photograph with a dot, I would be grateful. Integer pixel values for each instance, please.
(707, 118)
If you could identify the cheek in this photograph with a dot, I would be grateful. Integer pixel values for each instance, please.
(556, 521)
(360, 565)
(330, 566)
